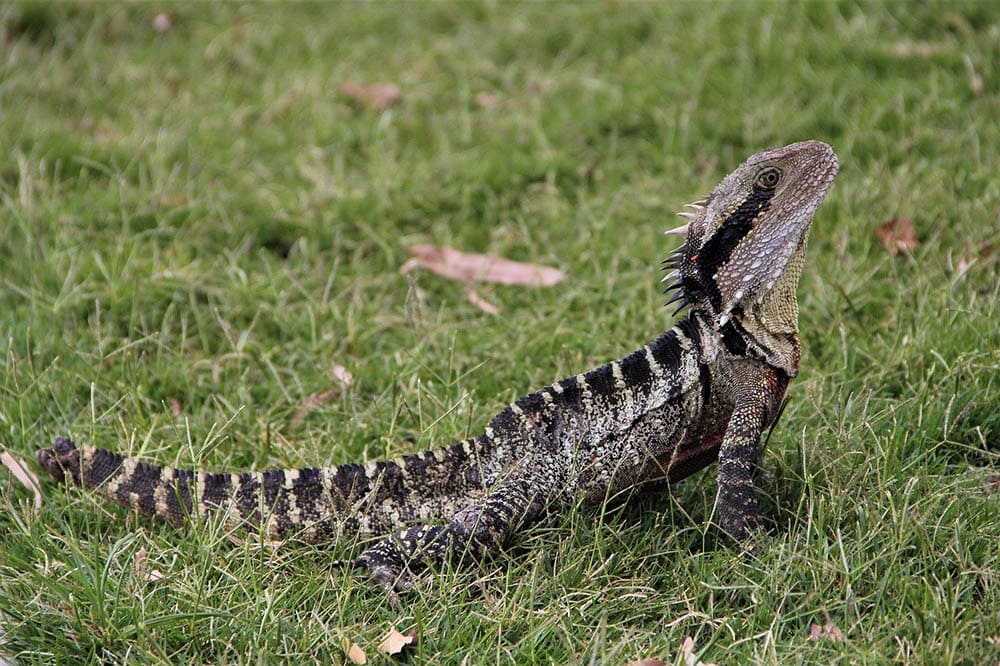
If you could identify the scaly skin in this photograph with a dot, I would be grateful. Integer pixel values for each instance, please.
(703, 391)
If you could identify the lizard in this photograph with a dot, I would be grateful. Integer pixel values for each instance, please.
(703, 391)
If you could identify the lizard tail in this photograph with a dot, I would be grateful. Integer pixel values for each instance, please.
(309, 504)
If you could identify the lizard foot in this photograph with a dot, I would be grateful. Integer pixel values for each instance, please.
(386, 565)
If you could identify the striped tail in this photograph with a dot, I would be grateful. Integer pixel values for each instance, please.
(310, 504)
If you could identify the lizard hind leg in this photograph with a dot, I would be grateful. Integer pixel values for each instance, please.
(477, 531)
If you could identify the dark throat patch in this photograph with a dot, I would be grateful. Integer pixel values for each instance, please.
(720, 246)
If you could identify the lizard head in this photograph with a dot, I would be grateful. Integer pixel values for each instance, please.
(744, 246)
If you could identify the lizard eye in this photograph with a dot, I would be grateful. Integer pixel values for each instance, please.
(768, 178)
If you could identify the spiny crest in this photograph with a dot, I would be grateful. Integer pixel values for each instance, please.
(673, 262)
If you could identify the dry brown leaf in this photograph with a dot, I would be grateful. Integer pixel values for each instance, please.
(378, 96)
(139, 564)
(897, 235)
(985, 252)
(341, 374)
(648, 661)
(394, 642)
(450, 263)
(687, 651)
(312, 402)
(480, 302)
(828, 631)
(20, 470)
(487, 100)
(354, 653)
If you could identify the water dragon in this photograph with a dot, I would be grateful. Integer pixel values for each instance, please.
(701, 392)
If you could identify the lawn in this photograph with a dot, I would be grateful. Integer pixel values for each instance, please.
(197, 221)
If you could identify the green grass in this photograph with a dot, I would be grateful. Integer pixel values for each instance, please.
(198, 216)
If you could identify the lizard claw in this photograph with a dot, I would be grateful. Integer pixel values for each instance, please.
(387, 572)
(391, 581)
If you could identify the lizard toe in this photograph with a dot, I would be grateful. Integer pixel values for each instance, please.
(387, 569)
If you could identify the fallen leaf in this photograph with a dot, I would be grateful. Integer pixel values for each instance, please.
(394, 642)
(312, 402)
(378, 96)
(341, 374)
(162, 23)
(480, 302)
(487, 100)
(139, 564)
(648, 661)
(355, 654)
(450, 263)
(687, 651)
(897, 235)
(984, 252)
(827, 631)
(20, 470)
(176, 407)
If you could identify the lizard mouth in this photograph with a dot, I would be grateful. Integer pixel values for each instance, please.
(830, 172)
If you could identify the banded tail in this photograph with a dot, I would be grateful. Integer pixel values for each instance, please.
(309, 504)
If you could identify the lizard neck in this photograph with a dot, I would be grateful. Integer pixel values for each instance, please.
(769, 329)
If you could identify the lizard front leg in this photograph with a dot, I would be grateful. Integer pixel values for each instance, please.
(477, 532)
(758, 393)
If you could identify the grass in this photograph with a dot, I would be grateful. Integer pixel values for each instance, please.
(197, 216)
